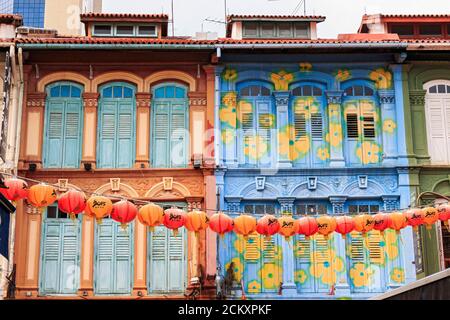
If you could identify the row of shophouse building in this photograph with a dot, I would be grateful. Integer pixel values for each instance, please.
(268, 119)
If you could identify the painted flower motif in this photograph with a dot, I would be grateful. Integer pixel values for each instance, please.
(284, 142)
(360, 275)
(245, 107)
(267, 121)
(335, 135)
(300, 148)
(255, 147)
(391, 243)
(230, 75)
(342, 75)
(398, 275)
(334, 111)
(228, 116)
(238, 244)
(382, 78)
(389, 126)
(323, 153)
(329, 266)
(369, 152)
(254, 287)
(228, 136)
(305, 66)
(236, 267)
(300, 276)
(229, 100)
(301, 249)
(270, 276)
(281, 80)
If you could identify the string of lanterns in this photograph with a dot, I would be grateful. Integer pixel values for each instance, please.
(74, 202)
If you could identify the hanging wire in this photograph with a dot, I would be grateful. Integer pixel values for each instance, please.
(144, 202)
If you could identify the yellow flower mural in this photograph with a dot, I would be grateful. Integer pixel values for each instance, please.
(361, 275)
(382, 78)
(255, 147)
(281, 80)
(335, 135)
(389, 126)
(227, 136)
(398, 275)
(284, 141)
(305, 66)
(254, 287)
(300, 276)
(300, 148)
(342, 75)
(327, 267)
(369, 152)
(270, 276)
(267, 121)
(323, 153)
(229, 100)
(230, 75)
(391, 242)
(236, 267)
(228, 116)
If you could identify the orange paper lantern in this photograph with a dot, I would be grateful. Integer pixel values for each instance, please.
(414, 217)
(268, 225)
(444, 214)
(245, 225)
(364, 223)
(72, 202)
(306, 226)
(17, 189)
(220, 223)
(381, 222)
(344, 225)
(124, 212)
(326, 225)
(287, 227)
(98, 207)
(41, 195)
(174, 219)
(430, 217)
(398, 221)
(151, 215)
(196, 221)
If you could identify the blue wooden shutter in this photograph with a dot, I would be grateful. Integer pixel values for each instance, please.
(302, 253)
(158, 260)
(54, 135)
(161, 128)
(72, 136)
(51, 259)
(70, 256)
(177, 262)
(178, 135)
(107, 136)
(125, 141)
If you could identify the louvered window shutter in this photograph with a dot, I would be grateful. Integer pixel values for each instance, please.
(161, 136)
(107, 140)
(104, 271)
(357, 248)
(158, 254)
(264, 126)
(72, 140)
(125, 141)
(251, 248)
(376, 253)
(177, 152)
(368, 124)
(54, 144)
(176, 268)
(439, 148)
(123, 271)
(51, 258)
(70, 251)
(269, 250)
(352, 125)
(303, 249)
(300, 125)
(316, 126)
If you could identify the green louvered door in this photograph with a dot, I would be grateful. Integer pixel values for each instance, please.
(113, 271)
(60, 254)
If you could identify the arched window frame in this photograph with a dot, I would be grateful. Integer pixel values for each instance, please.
(263, 107)
(68, 120)
(178, 106)
(106, 102)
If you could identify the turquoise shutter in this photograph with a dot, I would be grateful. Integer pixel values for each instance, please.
(125, 140)
(70, 252)
(176, 262)
(178, 135)
(107, 136)
(72, 141)
(302, 253)
(161, 150)
(158, 263)
(51, 258)
(54, 135)
(123, 275)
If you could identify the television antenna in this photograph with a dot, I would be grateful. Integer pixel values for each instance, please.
(297, 7)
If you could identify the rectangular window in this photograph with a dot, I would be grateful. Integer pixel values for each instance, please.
(124, 30)
(100, 30)
(430, 30)
(310, 209)
(285, 30)
(260, 209)
(368, 124)
(251, 29)
(301, 30)
(149, 31)
(406, 30)
(352, 125)
(268, 30)
(448, 30)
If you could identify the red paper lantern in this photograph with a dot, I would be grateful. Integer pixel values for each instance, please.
(381, 222)
(287, 227)
(364, 223)
(124, 212)
(174, 219)
(196, 221)
(307, 226)
(344, 225)
(17, 189)
(444, 214)
(151, 215)
(268, 225)
(72, 202)
(430, 217)
(398, 221)
(414, 217)
(220, 223)
(326, 225)
(245, 225)
(41, 195)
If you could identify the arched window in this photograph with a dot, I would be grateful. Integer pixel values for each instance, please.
(362, 132)
(63, 125)
(170, 118)
(116, 134)
(307, 116)
(256, 121)
(437, 110)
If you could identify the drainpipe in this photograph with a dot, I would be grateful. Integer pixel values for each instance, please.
(19, 112)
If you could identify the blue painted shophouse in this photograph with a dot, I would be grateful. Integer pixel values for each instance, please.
(311, 127)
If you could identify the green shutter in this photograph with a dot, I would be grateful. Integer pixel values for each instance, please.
(54, 136)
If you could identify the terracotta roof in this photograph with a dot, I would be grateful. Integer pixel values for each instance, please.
(140, 16)
(273, 17)
(98, 40)
(11, 18)
(414, 15)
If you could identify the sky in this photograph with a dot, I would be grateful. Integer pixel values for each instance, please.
(343, 16)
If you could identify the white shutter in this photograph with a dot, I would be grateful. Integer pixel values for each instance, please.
(437, 141)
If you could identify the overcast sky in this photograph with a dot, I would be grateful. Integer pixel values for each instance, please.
(343, 16)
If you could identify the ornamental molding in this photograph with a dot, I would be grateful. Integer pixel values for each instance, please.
(417, 97)
(386, 96)
(36, 99)
(197, 99)
(90, 99)
(334, 97)
(282, 97)
(143, 100)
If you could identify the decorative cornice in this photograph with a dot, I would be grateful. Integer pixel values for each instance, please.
(281, 97)
(334, 97)
(143, 100)
(90, 99)
(417, 97)
(386, 96)
(197, 99)
(36, 99)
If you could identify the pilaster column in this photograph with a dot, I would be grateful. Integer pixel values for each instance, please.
(388, 126)
(213, 88)
(195, 245)
(35, 110)
(334, 99)
(228, 128)
(87, 257)
(283, 129)
(288, 286)
(200, 151)
(419, 139)
(90, 101)
(210, 256)
(342, 287)
(143, 105)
